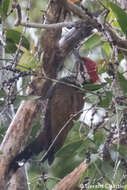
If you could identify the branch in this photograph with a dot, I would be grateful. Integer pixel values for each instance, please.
(75, 9)
(51, 26)
(121, 44)
(74, 37)
(71, 180)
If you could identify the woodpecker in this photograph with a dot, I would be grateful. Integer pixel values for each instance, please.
(65, 100)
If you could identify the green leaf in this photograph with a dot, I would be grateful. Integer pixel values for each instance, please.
(27, 61)
(69, 149)
(92, 42)
(105, 101)
(27, 97)
(99, 137)
(65, 165)
(123, 82)
(107, 168)
(91, 98)
(3, 94)
(20, 98)
(120, 15)
(13, 38)
(107, 48)
(123, 150)
(4, 8)
(93, 87)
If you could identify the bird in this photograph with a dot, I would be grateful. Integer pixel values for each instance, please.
(64, 105)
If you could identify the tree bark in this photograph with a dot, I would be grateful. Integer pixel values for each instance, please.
(14, 137)
(19, 180)
(70, 182)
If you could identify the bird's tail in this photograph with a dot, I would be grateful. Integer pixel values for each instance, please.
(39, 144)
